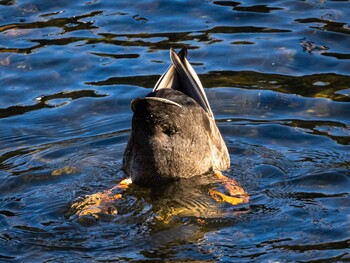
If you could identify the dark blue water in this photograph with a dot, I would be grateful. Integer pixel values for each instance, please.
(277, 75)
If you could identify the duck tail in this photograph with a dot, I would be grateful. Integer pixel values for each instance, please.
(181, 76)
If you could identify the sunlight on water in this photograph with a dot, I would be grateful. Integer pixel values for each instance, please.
(277, 78)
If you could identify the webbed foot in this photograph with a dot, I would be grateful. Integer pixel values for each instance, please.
(237, 194)
(101, 203)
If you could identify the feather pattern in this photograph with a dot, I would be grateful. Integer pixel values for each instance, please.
(174, 134)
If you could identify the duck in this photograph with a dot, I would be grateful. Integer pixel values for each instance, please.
(174, 134)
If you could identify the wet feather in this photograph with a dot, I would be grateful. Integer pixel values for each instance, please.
(174, 134)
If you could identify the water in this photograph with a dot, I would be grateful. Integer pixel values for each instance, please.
(277, 77)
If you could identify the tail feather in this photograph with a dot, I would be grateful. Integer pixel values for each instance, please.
(181, 76)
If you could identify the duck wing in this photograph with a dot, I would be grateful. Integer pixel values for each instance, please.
(181, 76)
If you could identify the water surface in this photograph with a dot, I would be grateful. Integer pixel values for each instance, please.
(277, 78)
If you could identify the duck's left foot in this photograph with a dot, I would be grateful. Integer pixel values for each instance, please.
(101, 203)
(237, 195)
(96, 204)
(123, 185)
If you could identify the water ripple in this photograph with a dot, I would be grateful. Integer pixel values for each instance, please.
(277, 78)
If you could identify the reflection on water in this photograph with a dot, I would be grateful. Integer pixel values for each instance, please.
(277, 77)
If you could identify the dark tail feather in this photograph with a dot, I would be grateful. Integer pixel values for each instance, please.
(190, 83)
(181, 76)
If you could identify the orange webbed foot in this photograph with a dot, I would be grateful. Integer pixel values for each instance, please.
(101, 202)
(237, 195)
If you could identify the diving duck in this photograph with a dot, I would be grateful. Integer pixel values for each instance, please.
(174, 134)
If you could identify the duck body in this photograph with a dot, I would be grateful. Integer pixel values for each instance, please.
(174, 134)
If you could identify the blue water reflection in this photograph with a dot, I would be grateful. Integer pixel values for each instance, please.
(277, 78)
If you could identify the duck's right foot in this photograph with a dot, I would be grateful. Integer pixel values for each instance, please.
(237, 195)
